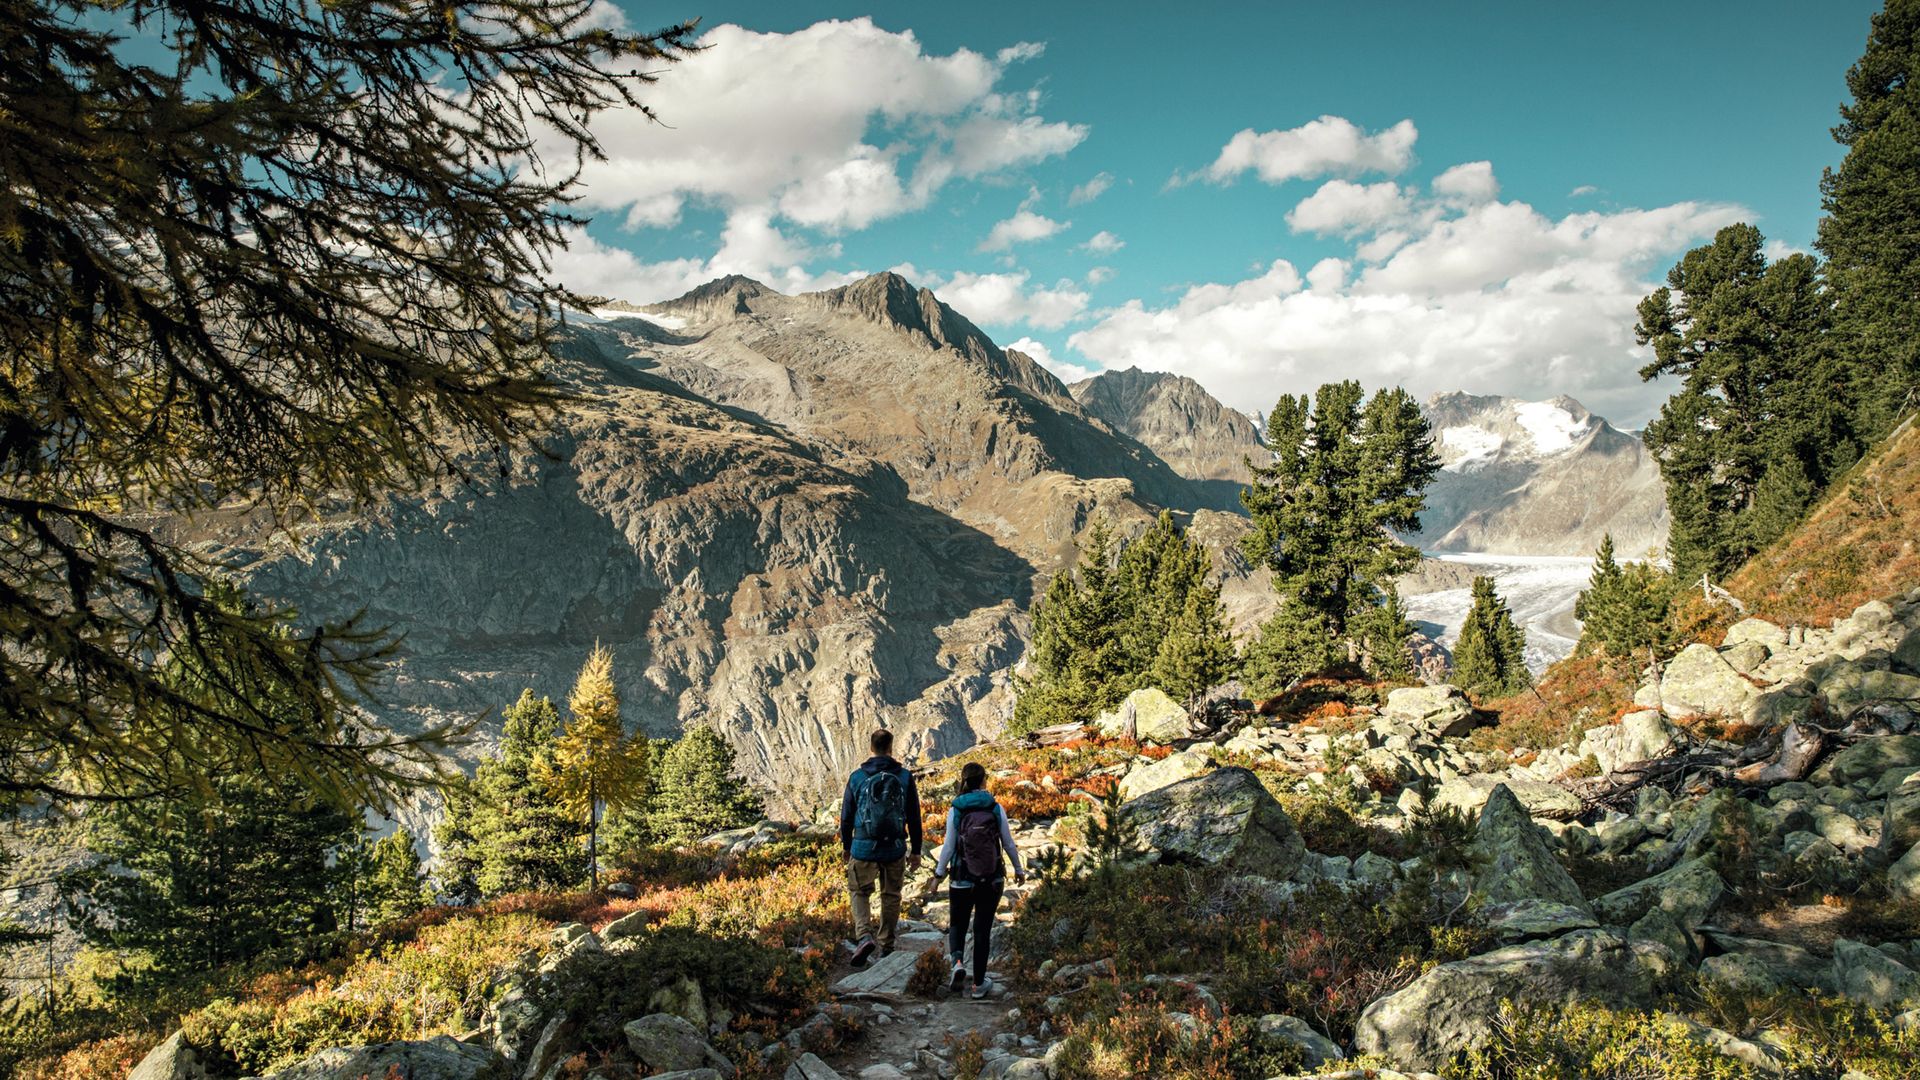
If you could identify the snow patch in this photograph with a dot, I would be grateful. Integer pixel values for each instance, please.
(1551, 427)
(1469, 447)
(665, 322)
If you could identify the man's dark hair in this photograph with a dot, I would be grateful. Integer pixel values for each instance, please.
(882, 742)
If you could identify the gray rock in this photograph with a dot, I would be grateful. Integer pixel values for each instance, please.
(1519, 863)
(1451, 1008)
(438, 1058)
(1225, 818)
(1442, 710)
(1639, 736)
(1533, 920)
(667, 1043)
(1900, 822)
(810, 1067)
(1745, 657)
(517, 1023)
(174, 1059)
(1316, 1049)
(886, 977)
(627, 925)
(1741, 973)
(1662, 929)
(1868, 759)
(1148, 715)
(1700, 681)
(1789, 965)
(1689, 892)
(1903, 877)
(1848, 686)
(1153, 775)
(1376, 870)
(1759, 631)
(1761, 1059)
(688, 1074)
(1468, 795)
(682, 998)
(1871, 977)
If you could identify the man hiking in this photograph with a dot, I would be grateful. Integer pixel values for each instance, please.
(977, 832)
(880, 833)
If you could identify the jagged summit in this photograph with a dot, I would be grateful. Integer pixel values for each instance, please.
(722, 297)
(1175, 417)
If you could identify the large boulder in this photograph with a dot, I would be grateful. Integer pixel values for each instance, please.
(1871, 977)
(1452, 1007)
(1700, 682)
(1758, 631)
(1533, 920)
(1148, 715)
(1689, 892)
(1518, 862)
(1847, 685)
(1903, 877)
(1639, 736)
(667, 1043)
(438, 1058)
(1315, 1049)
(174, 1059)
(1469, 794)
(1441, 710)
(1868, 759)
(1225, 818)
(1154, 775)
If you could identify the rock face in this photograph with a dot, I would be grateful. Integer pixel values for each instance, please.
(1177, 419)
(1452, 1007)
(1225, 818)
(1538, 478)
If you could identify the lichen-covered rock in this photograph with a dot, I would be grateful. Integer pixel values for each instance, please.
(1871, 977)
(1534, 920)
(1847, 685)
(1518, 862)
(1689, 892)
(1441, 710)
(1148, 715)
(666, 1043)
(1315, 1049)
(1868, 759)
(1903, 877)
(1900, 821)
(1756, 630)
(1468, 795)
(1225, 818)
(438, 1058)
(1639, 736)
(1452, 1007)
(1700, 681)
(173, 1059)
(1154, 775)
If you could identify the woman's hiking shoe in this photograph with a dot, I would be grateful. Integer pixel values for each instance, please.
(863, 952)
(959, 976)
(979, 991)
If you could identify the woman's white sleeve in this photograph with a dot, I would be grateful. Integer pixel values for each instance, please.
(1006, 841)
(947, 842)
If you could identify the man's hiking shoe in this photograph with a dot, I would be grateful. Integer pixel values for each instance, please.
(959, 977)
(886, 951)
(863, 952)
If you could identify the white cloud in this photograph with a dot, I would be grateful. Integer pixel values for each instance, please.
(1779, 249)
(750, 245)
(1100, 275)
(1023, 227)
(1019, 51)
(1583, 191)
(1103, 243)
(1341, 206)
(1095, 187)
(1472, 182)
(1328, 146)
(817, 125)
(1491, 298)
(1069, 373)
(1007, 300)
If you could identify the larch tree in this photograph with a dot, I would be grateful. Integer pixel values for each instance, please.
(1871, 232)
(595, 766)
(1345, 471)
(1489, 656)
(291, 254)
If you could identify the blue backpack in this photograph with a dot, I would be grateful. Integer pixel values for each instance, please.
(880, 814)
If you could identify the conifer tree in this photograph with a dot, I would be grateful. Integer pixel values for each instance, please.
(1383, 632)
(1075, 662)
(1489, 657)
(595, 765)
(1293, 643)
(696, 791)
(395, 884)
(502, 833)
(1345, 469)
(1871, 232)
(1625, 610)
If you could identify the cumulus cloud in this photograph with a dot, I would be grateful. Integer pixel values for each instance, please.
(1069, 373)
(1329, 146)
(1472, 182)
(1010, 299)
(1583, 191)
(1341, 206)
(1100, 275)
(1095, 187)
(1023, 227)
(835, 126)
(1492, 298)
(750, 245)
(1103, 243)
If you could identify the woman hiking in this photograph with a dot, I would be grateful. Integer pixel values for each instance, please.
(977, 832)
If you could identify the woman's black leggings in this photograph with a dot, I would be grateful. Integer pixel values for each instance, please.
(975, 903)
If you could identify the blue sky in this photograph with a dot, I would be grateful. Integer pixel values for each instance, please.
(1265, 198)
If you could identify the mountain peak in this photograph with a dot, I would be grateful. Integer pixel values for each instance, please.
(1175, 417)
(723, 296)
(894, 302)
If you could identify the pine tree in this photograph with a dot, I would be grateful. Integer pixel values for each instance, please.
(214, 216)
(1075, 664)
(198, 884)
(696, 791)
(1383, 633)
(1489, 657)
(501, 832)
(1625, 610)
(1760, 387)
(395, 884)
(595, 765)
(1344, 471)
(1871, 232)
(1292, 644)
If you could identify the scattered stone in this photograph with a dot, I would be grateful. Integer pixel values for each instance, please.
(1868, 758)
(1903, 877)
(1900, 822)
(1700, 680)
(1225, 818)
(1871, 977)
(886, 977)
(1533, 920)
(1441, 710)
(1468, 795)
(1689, 892)
(667, 1043)
(1316, 1049)
(440, 1058)
(1639, 736)
(682, 998)
(810, 1067)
